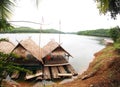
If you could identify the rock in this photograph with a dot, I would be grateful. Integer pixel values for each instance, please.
(89, 75)
(91, 85)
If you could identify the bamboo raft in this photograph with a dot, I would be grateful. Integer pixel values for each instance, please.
(50, 72)
(72, 70)
(58, 72)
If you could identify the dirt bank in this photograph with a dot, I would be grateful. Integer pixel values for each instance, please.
(103, 71)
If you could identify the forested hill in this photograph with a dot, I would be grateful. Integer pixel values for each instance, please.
(97, 32)
(31, 30)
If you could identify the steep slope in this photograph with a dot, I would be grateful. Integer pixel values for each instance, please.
(103, 71)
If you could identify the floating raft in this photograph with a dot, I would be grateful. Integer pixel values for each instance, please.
(50, 72)
(72, 70)
(27, 76)
(55, 72)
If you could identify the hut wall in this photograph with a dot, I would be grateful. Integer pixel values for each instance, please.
(26, 59)
(54, 59)
(20, 51)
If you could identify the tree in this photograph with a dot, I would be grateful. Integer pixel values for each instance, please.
(112, 6)
(115, 33)
(7, 67)
(6, 7)
(4, 25)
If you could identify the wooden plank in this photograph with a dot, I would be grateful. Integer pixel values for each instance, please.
(54, 72)
(61, 69)
(30, 76)
(46, 73)
(15, 75)
(66, 74)
(56, 64)
(39, 78)
(71, 69)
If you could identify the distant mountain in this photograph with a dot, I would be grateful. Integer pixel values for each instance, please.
(97, 32)
(32, 30)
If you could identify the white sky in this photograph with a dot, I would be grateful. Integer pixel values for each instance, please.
(75, 15)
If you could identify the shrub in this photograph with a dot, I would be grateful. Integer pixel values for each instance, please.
(117, 44)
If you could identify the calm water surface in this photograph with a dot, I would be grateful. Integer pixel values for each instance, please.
(82, 48)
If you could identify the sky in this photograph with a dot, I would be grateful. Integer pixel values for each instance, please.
(64, 15)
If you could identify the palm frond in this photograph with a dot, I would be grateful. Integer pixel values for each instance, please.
(6, 8)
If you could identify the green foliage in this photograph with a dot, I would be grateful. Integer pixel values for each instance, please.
(31, 30)
(117, 44)
(5, 13)
(4, 25)
(14, 55)
(115, 33)
(112, 6)
(98, 32)
(4, 39)
(6, 7)
(102, 5)
(7, 67)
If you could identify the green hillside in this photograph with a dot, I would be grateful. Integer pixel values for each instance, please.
(31, 30)
(97, 32)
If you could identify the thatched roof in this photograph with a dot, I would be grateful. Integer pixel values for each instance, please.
(50, 47)
(31, 47)
(6, 47)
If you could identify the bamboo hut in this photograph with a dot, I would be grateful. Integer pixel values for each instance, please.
(55, 59)
(6, 47)
(29, 57)
(49, 62)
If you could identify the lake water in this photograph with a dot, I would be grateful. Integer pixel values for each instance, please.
(82, 48)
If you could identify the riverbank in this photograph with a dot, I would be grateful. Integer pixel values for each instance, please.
(103, 71)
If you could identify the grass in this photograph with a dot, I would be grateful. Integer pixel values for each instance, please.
(111, 74)
(104, 54)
